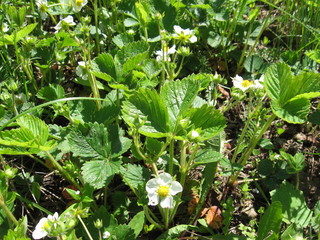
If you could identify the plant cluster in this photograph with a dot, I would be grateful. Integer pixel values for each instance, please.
(128, 103)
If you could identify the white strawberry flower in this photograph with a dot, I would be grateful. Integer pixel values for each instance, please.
(77, 5)
(239, 82)
(106, 235)
(259, 83)
(43, 227)
(81, 70)
(66, 22)
(244, 85)
(184, 35)
(5, 27)
(163, 55)
(161, 189)
(43, 8)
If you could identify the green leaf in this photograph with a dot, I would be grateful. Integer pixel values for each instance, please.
(123, 232)
(206, 156)
(147, 107)
(25, 31)
(99, 173)
(154, 146)
(135, 176)
(131, 55)
(130, 51)
(151, 68)
(106, 67)
(174, 232)
(96, 141)
(294, 207)
(290, 94)
(208, 175)
(179, 96)
(137, 223)
(210, 121)
(15, 38)
(133, 62)
(38, 128)
(314, 55)
(270, 223)
(278, 82)
(254, 64)
(296, 162)
(51, 92)
(142, 13)
(109, 223)
(292, 233)
(122, 39)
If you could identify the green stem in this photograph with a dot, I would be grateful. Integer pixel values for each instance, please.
(44, 105)
(244, 158)
(7, 211)
(96, 22)
(150, 219)
(85, 228)
(171, 153)
(61, 170)
(297, 180)
(166, 218)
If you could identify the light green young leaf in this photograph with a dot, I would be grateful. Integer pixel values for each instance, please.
(36, 126)
(99, 173)
(146, 108)
(294, 207)
(137, 223)
(15, 38)
(19, 232)
(179, 96)
(25, 31)
(141, 11)
(314, 55)
(270, 222)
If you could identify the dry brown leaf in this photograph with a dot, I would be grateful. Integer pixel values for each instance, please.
(214, 218)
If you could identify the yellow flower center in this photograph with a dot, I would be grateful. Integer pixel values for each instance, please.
(246, 83)
(163, 191)
(79, 2)
(43, 8)
(45, 226)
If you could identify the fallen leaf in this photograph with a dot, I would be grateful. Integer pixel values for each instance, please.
(214, 218)
(192, 204)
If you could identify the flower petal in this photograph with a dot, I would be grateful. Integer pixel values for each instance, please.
(164, 179)
(152, 185)
(39, 233)
(175, 188)
(177, 29)
(193, 39)
(153, 199)
(167, 202)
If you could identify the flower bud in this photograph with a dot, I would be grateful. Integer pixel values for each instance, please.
(98, 224)
(184, 51)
